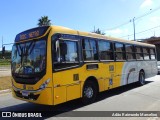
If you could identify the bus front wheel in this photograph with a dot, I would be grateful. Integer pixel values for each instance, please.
(89, 92)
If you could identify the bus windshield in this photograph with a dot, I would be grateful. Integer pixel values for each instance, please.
(29, 57)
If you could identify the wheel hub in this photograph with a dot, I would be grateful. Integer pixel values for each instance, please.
(89, 92)
(142, 79)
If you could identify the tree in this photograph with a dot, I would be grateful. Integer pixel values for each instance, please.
(44, 21)
(98, 31)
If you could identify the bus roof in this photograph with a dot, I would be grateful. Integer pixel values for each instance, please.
(40, 31)
(65, 30)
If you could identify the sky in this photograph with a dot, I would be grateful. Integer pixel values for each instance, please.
(107, 15)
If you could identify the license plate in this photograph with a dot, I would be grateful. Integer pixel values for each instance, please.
(24, 93)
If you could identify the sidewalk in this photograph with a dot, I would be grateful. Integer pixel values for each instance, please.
(5, 72)
(5, 91)
(4, 68)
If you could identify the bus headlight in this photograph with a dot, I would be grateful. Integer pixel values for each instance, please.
(44, 85)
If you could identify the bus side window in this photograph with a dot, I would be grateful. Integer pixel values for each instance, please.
(130, 52)
(119, 51)
(152, 54)
(105, 50)
(146, 53)
(139, 53)
(69, 57)
(90, 52)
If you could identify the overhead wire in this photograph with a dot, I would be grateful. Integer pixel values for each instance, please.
(141, 31)
(135, 18)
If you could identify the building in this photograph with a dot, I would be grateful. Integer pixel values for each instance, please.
(156, 42)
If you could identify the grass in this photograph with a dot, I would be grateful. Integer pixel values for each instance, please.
(5, 83)
(4, 62)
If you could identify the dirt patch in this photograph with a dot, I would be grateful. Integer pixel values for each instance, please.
(5, 83)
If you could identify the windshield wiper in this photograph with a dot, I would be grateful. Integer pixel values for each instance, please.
(25, 50)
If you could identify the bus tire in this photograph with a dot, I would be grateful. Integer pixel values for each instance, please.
(141, 78)
(89, 92)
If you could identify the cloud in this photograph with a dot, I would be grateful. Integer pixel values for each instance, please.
(155, 19)
(146, 3)
(117, 32)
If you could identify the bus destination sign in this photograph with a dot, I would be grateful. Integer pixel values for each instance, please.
(32, 33)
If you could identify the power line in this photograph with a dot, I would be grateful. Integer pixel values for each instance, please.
(8, 44)
(148, 29)
(141, 31)
(125, 23)
(151, 11)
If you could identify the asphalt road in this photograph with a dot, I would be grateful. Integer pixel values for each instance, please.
(126, 98)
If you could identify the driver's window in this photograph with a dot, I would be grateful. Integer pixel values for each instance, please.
(70, 53)
(65, 54)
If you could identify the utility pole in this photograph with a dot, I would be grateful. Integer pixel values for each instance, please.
(2, 42)
(134, 28)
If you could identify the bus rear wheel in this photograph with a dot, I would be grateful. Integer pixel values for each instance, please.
(141, 78)
(89, 92)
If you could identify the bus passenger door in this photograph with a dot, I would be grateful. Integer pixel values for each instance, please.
(66, 70)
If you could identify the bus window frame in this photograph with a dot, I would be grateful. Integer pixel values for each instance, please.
(56, 37)
(133, 52)
(112, 50)
(97, 49)
(154, 49)
(148, 49)
(123, 51)
(139, 52)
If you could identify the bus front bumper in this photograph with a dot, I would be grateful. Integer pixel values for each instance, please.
(40, 96)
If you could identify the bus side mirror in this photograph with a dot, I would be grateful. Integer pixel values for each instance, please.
(63, 48)
(58, 51)
(3, 51)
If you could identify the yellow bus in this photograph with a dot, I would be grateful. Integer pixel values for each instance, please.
(52, 64)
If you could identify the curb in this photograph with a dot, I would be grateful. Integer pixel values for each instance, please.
(4, 70)
(5, 91)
